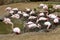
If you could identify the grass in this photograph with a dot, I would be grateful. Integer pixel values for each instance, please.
(4, 28)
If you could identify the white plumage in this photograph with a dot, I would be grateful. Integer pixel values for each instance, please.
(15, 16)
(32, 17)
(27, 9)
(45, 7)
(16, 30)
(56, 20)
(19, 12)
(11, 12)
(56, 6)
(15, 9)
(25, 14)
(8, 8)
(41, 5)
(42, 18)
(41, 14)
(47, 23)
(32, 12)
(32, 25)
(7, 21)
(38, 25)
(52, 16)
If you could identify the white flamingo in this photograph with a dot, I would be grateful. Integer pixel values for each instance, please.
(56, 6)
(25, 14)
(17, 16)
(8, 9)
(17, 30)
(41, 14)
(45, 7)
(41, 5)
(41, 18)
(53, 16)
(8, 21)
(56, 20)
(32, 17)
(15, 9)
(27, 9)
(48, 24)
